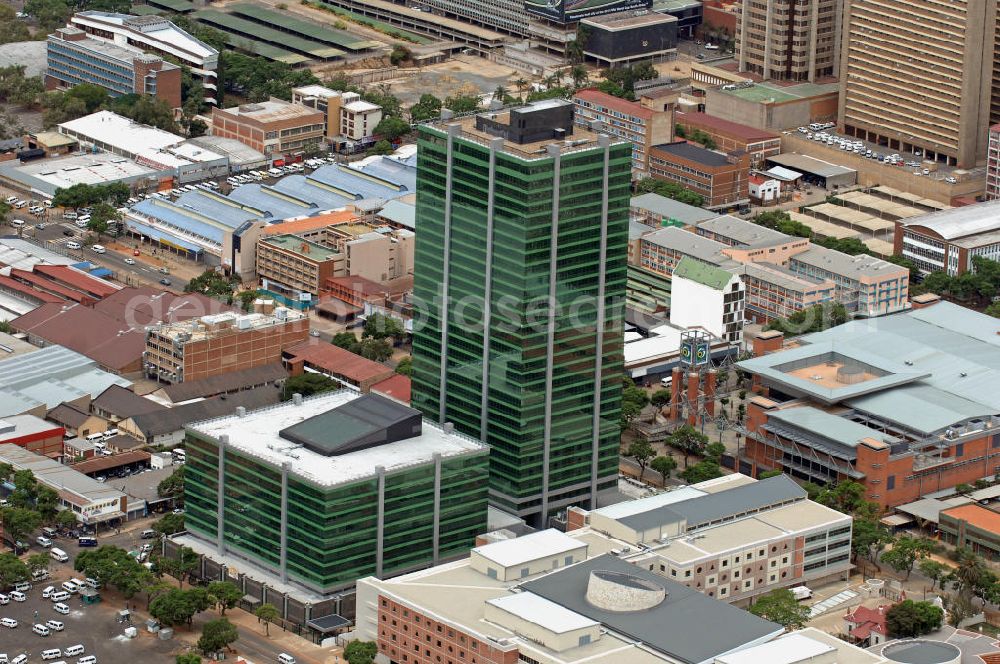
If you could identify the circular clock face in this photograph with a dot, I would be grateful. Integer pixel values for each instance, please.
(702, 353)
(686, 352)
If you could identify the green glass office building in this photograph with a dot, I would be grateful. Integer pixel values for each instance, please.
(520, 289)
(324, 491)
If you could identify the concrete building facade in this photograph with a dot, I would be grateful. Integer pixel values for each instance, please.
(993, 164)
(732, 136)
(707, 297)
(914, 89)
(789, 41)
(948, 240)
(643, 127)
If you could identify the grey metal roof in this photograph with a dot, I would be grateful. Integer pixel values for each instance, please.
(681, 626)
(404, 214)
(694, 153)
(168, 420)
(231, 381)
(852, 267)
(690, 244)
(668, 207)
(832, 427)
(743, 233)
(48, 377)
(806, 164)
(961, 221)
(781, 276)
(743, 499)
(368, 421)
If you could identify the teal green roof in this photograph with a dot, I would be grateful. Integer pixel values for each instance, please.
(702, 273)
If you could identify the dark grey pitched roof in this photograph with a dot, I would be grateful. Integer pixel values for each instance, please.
(740, 500)
(169, 420)
(686, 625)
(68, 415)
(231, 381)
(123, 403)
(368, 421)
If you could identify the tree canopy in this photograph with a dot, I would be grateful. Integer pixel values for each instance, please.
(816, 318)
(217, 635)
(910, 619)
(308, 384)
(780, 606)
(670, 190)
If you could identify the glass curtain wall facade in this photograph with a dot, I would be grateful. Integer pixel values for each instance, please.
(502, 231)
(333, 532)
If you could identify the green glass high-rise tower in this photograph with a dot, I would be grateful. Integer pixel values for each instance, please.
(520, 284)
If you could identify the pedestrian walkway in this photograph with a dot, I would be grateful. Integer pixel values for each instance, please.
(831, 603)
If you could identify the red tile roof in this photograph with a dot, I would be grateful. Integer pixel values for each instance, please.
(595, 96)
(867, 621)
(359, 284)
(336, 361)
(44, 283)
(78, 279)
(397, 387)
(106, 463)
(6, 283)
(735, 129)
(976, 516)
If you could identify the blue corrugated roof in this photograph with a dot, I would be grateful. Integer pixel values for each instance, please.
(218, 207)
(300, 187)
(397, 171)
(344, 179)
(156, 235)
(265, 198)
(171, 215)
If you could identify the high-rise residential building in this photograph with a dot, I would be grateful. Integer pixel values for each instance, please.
(916, 76)
(789, 41)
(74, 58)
(993, 164)
(528, 214)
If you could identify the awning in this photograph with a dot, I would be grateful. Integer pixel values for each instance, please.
(157, 235)
(783, 174)
(329, 623)
(894, 520)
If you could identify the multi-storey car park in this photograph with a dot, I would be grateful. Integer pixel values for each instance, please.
(323, 491)
(520, 210)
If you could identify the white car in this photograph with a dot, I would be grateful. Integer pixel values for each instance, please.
(950, 180)
(54, 625)
(8, 622)
(73, 245)
(129, 261)
(61, 608)
(47, 593)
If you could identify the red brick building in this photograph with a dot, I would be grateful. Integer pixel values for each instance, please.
(338, 363)
(894, 403)
(732, 136)
(721, 179)
(277, 128)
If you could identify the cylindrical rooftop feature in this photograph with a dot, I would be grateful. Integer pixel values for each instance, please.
(623, 593)
(922, 651)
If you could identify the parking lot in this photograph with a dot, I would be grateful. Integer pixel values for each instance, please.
(95, 627)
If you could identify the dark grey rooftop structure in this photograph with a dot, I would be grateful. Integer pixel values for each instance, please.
(722, 506)
(368, 421)
(694, 153)
(538, 121)
(678, 626)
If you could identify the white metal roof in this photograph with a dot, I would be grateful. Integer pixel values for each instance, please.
(789, 649)
(117, 130)
(520, 550)
(542, 612)
(630, 507)
(256, 434)
(961, 221)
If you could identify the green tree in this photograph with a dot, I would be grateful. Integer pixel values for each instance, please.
(267, 614)
(101, 217)
(868, 537)
(963, 488)
(701, 472)
(780, 606)
(688, 441)
(346, 340)
(660, 398)
(851, 246)
(377, 350)
(38, 562)
(225, 594)
(909, 619)
(169, 524)
(47, 503)
(670, 190)
(11, 29)
(664, 465)
(212, 284)
(197, 128)
(114, 566)
(12, 570)
(187, 658)
(360, 652)
(933, 570)
(216, 635)
(462, 103)
(247, 298)
(381, 147)
(905, 552)
(399, 55)
(642, 452)
(181, 565)
(380, 326)
(172, 608)
(50, 14)
(634, 399)
(714, 451)
(172, 486)
(19, 522)
(428, 107)
(308, 384)
(405, 366)
(392, 129)
(903, 261)
(816, 318)
(65, 519)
